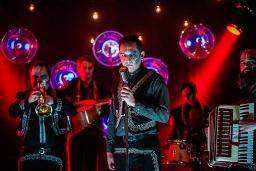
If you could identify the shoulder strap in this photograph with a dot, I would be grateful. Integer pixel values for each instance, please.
(141, 81)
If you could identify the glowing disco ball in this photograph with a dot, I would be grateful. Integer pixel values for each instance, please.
(158, 66)
(62, 73)
(196, 41)
(106, 48)
(19, 45)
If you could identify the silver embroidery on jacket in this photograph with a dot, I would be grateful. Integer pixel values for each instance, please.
(152, 153)
(119, 115)
(52, 158)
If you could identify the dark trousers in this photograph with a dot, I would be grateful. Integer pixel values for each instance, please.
(38, 165)
(84, 150)
(144, 154)
(40, 159)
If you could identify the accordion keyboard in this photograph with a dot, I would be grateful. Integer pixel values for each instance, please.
(231, 142)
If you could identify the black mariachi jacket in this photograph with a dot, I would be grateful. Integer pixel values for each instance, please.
(152, 105)
(54, 125)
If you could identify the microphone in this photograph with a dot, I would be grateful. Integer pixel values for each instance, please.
(124, 74)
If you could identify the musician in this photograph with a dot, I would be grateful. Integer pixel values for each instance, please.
(42, 133)
(86, 147)
(247, 85)
(247, 75)
(188, 120)
(147, 100)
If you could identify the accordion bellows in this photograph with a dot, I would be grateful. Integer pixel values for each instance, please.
(230, 142)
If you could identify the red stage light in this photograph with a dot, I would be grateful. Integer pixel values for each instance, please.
(234, 29)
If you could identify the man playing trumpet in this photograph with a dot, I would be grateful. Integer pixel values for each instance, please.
(44, 122)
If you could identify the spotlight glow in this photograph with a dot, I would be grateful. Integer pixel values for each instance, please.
(140, 38)
(31, 7)
(92, 40)
(158, 9)
(186, 23)
(234, 29)
(95, 15)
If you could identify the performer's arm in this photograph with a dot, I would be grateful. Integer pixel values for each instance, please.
(19, 105)
(111, 136)
(111, 127)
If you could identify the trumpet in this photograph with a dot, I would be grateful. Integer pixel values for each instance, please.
(43, 109)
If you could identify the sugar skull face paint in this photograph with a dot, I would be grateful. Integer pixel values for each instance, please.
(248, 61)
(130, 56)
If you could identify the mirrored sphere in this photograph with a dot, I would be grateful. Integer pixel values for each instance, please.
(196, 41)
(19, 45)
(106, 48)
(62, 73)
(158, 66)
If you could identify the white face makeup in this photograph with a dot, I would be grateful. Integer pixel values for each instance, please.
(247, 65)
(39, 74)
(130, 56)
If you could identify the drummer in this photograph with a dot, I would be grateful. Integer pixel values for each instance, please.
(87, 147)
(188, 120)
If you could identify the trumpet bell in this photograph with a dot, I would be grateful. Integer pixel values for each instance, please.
(43, 110)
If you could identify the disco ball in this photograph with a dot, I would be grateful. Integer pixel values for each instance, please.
(106, 48)
(196, 41)
(158, 66)
(19, 45)
(62, 73)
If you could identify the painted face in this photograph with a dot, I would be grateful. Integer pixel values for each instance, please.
(85, 70)
(247, 65)
(248, 61)
(130, 56)
(188, 96)
(39, 74)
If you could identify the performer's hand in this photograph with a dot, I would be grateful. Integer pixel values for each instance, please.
(127, 96)
(33, 96)
(111, 163)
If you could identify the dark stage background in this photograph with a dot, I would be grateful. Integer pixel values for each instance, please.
(64, 29)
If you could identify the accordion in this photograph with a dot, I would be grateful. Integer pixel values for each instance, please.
(229, 142)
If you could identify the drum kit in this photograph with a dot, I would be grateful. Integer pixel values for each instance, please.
(180, 155)
(177, 152)
(88, 111)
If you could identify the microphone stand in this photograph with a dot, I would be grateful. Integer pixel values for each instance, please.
(126, 136)
(124, 75)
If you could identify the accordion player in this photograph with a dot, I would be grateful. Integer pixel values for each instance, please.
(230, 142)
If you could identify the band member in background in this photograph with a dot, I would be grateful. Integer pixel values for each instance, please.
(188, 121)
(147, 98)
(247, 85)
(86, 147)
(247, 76)
(44, 122)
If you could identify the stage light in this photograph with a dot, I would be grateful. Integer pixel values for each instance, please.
(158, 9)
(31, 7)
(186, 23)
(106, 48)
(158, 66)
(19, 45)
(234, 29)
(196, 41)
(92, 40)
(95, 15)
(140, 38)
(244, 16)
(62, 73)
